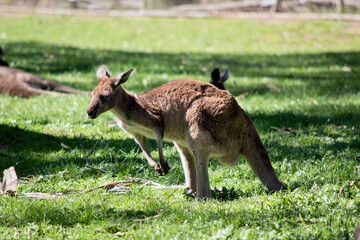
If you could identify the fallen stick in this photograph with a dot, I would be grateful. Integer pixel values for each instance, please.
(40, 195)
(138, 180)
(289, 130)
(285, 129)
(109, 185)
(92, 150)
(97, 169)
(242, 96)
(64, 146)
(122, 189)
(87, 159)
(349, 186)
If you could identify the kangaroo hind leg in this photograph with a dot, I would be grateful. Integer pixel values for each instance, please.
(202, 175)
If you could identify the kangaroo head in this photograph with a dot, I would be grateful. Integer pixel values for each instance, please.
(218, 80)
(104, 96)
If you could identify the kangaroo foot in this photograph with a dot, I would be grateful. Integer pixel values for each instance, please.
(165, 167)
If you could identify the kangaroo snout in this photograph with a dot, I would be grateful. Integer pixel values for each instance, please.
(92, 113)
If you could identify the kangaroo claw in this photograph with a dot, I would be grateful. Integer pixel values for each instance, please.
(165, 167)
(159, 170)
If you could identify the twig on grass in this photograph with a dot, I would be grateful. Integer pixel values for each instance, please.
(96, 169)
(64, 146)
(39, 195)
(157, 185)
(138, 180)
(92, 150)
(87, 159)
(289, 130)
(285, 129)
(349, 186)
(127, 183)
(120, 187)
(242, 96)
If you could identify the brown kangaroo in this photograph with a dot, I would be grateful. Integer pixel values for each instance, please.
(20, 83)
(201, 120)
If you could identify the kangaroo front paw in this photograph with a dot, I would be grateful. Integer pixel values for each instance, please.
(159, 170)
(165, 167)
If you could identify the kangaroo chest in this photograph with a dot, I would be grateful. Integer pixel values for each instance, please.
(134, 128)
(170, 133)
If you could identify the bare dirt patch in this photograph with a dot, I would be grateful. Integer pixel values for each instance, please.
(354, 27)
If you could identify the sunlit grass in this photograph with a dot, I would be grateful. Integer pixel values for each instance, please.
(300, 75)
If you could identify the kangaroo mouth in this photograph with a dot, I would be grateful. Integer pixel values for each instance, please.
(92, 114)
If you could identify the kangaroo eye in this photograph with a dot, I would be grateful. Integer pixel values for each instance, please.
(104, 98)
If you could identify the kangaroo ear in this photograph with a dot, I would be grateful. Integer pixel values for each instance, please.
(215, 76)
(102, 72)
(122, 77)
(225, 75)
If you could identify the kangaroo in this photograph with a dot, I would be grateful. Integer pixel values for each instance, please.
(217, 79)
(201, 120)
(20, 83)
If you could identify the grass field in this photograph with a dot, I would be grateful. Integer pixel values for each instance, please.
(301, 75)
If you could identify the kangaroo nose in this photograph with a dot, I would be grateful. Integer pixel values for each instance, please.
(91, 113)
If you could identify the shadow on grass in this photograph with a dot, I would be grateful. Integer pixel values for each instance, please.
(321, 72)
(30, 152)
(315, 116)
(83, 213)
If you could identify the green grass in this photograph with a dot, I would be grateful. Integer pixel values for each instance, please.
(314, 66)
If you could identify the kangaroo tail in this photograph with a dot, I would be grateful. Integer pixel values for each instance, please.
(259, 161)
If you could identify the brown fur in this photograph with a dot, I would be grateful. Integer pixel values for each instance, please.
(357, 233)
(17, 82)
(201, 120)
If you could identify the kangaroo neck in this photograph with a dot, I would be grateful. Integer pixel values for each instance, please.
(128, 106)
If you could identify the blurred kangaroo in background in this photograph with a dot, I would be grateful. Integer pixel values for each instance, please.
(217, 79)
(17, 82)
(201, 120)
